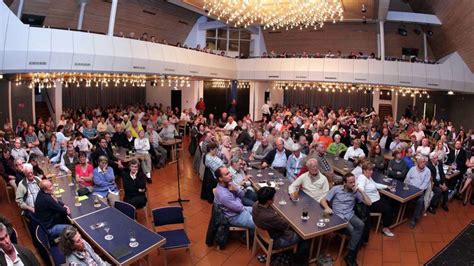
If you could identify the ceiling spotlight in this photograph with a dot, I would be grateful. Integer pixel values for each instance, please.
(364, 8)
(450, 92)
(429, 32)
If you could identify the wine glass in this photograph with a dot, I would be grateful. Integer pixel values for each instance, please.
(107, 229)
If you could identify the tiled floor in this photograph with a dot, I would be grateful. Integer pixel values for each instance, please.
(408, 247)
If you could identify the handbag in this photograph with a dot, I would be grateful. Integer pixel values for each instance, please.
(83, 191)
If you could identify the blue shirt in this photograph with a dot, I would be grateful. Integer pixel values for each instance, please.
(343, 202)
(419, 178)
(229, 201)
(104, 181)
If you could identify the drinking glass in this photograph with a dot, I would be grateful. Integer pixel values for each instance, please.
(304, 213)
(282, 201)
(405, 186)
(337, 156)
(96, 202)
(133, 239)
(71, 182)
(77, 202)
(393, 188)
(107, 229)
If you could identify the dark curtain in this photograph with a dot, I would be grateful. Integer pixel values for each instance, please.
(76, 97)
(312, 98)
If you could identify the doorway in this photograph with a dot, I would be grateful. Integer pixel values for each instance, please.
(385, 110)
(176, 100)
(429, 110)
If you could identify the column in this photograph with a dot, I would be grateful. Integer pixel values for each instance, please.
(81, 15)
(57, 100)
(425, 46)
(113, 11)
(382, 40)
(19, 12)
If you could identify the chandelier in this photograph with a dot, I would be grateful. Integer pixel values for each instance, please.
(276, 14)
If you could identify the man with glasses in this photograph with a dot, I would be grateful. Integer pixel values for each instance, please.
(103, 150)
(18, 151)
(28, 189)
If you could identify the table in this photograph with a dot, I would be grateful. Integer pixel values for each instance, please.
(120, 226)
(450, 173)
(400, 195)
(341, 166)
(86, 214)
(172, 143)
(292, 210)
(121, 154)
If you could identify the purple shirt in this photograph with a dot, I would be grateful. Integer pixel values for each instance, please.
(230, 202)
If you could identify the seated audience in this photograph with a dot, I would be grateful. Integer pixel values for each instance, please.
(380, 204)
(51, 212)
(13, 254)
(142, 147)
(84, 172)
(295, 162)
(69, 160)
(277, 158)
(354, 152)
(336, 148)
(229, 197)
(134, 185)
(103, 150)
(313, 182)
(342, 198)
(263, 149)
(424, 149)
(242, 180)
(19, 152)
(266, 218)
(420, 177)
(440, 188)
(212, 161)
(76, 250)
(324, 166)
(104, 182)
(28, 189)
(32, 141)
(168, 131)
(7, 168)
(376, 157)
(397, 168)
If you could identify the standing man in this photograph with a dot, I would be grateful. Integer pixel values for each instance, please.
(266, 110)
(201, 106)
(343, 198)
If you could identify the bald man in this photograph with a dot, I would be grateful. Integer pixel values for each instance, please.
(277, 158)
(50, 212)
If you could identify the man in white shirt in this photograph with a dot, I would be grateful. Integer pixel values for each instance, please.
(396, 143)
(18, 151)
(424, 149)
(11, 254)
(231, 124)
(266, 110)
(312, 182)
(354, 151)
(420, 177)
(418, 133)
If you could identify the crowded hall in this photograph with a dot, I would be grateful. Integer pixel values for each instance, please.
(256, 132)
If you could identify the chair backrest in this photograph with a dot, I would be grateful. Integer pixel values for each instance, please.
(126, 209)
(167, 215)
(263, 235)
(43, 244)
(14, 236)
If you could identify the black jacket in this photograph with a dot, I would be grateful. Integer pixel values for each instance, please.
(49, 211)
(218, 228)
(433, 173)
(107, 153)
(244, 138)
(26, 256)
(131, 186)
(271, 156)
(119, 139)
(460, 160)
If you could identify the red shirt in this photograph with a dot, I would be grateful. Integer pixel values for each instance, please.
(89, 171)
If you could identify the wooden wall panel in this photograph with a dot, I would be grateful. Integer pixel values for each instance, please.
(168, 22)
(346, 37)
(457, 31)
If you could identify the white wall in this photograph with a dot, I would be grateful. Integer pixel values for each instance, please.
(276, 96)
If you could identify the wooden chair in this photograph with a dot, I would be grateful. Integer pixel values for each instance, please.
(181, 126)
(379, 219)
(263, 239)
(242, 229)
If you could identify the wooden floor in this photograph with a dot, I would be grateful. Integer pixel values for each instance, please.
(408, 247)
